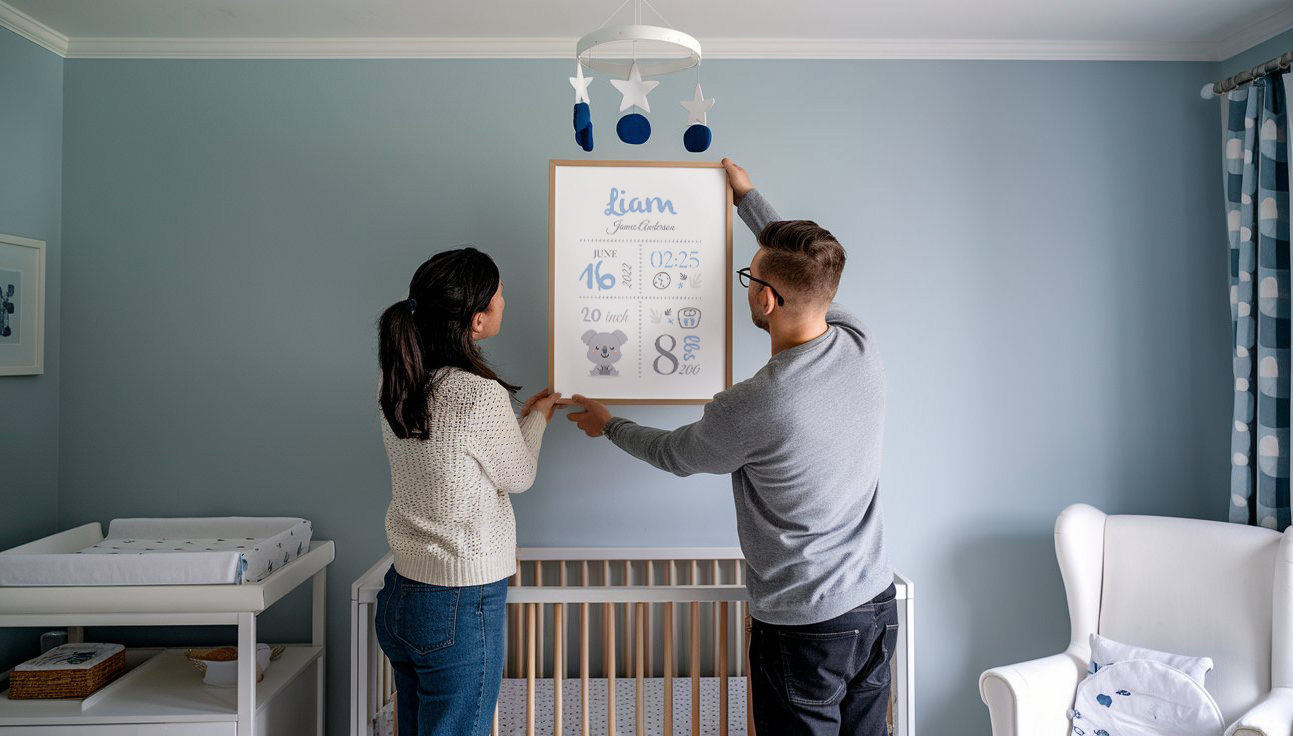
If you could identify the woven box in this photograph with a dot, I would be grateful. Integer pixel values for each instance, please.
(68, 671)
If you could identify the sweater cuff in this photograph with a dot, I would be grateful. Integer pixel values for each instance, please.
(614, 426)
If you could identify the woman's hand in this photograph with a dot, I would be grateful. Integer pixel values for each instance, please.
(544, 401)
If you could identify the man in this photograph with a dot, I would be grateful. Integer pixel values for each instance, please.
(802, 440)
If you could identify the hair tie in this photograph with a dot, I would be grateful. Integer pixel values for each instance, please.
(413, 305)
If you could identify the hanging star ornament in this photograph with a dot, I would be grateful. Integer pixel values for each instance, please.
(697, 106)
(698, 136)
(580, 83)
(583, 114)
(634, 90)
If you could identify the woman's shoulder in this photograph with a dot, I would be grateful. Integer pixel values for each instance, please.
(457, 379)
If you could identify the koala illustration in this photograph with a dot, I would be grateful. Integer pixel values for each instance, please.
(604, 351)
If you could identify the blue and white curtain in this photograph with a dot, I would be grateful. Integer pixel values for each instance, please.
(1257, 211)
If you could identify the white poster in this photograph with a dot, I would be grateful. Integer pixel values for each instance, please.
(640, 278)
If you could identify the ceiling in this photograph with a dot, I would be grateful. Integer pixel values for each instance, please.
(1078, 29)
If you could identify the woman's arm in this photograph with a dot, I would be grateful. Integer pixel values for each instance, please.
(507, 450)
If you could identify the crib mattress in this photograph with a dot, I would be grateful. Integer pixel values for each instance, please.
(511, 707)
(195, 551)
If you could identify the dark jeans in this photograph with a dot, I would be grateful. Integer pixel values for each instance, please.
(446, 649)
(826, 678)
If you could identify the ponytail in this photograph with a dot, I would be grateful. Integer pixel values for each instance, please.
(405, 383)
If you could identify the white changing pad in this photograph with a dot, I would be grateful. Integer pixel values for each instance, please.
(197, 551)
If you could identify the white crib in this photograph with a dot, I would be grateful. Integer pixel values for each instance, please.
(596, 640)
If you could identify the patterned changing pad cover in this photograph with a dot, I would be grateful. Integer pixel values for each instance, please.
(193, 551)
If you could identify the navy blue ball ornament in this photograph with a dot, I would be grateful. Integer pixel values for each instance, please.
(634, 128)
(697, 138)
(583, 126)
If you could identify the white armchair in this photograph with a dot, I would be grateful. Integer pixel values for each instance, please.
(1193, 587)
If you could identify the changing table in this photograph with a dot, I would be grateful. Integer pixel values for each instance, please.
(160, 694)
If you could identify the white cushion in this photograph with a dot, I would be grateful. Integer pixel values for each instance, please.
(1141, 697)
(1105, 652)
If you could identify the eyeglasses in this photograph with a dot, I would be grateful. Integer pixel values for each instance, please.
(745, 277)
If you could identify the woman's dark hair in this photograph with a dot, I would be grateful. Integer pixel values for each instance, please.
(432, 330)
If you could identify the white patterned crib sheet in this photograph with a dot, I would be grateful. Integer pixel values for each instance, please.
(511, 707)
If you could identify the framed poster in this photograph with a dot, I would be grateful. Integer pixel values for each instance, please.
(639, 281)
(22, 306)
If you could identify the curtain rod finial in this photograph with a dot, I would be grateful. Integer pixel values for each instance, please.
(1207, 93)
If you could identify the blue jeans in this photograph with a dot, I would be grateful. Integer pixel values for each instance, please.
(446, 649)
(826, 678)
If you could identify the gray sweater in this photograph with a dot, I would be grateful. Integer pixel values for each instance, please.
(802, 441)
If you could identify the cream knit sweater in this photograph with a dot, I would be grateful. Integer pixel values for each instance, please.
(450, 520)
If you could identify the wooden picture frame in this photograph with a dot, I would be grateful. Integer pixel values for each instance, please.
(727, 273)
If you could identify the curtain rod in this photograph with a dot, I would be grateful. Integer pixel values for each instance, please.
(1279, 63)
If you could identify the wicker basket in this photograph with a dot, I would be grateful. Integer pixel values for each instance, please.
(66, 683)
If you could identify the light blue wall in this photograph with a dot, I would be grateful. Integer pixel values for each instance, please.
(1039, 248)
(31, 184)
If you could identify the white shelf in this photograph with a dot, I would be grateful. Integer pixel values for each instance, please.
(163, 689)
(157, 605)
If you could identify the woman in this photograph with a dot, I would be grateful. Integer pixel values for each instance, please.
(456, 452)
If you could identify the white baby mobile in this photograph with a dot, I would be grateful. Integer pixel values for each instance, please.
(628, 53)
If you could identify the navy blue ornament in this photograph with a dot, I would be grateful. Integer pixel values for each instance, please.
(634, 128)
(697, 138)
(583, 126)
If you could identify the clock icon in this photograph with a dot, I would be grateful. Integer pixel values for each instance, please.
(661, 280)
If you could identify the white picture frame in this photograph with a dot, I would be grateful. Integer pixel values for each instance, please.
(637, 272)
(22, 306)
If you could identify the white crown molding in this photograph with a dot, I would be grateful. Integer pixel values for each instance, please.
(1255, 33)
(32, 30)
(321, 48)
(563, 48)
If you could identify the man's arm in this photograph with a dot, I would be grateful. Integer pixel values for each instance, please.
(711, 445)
(750, 204)
(756, 212)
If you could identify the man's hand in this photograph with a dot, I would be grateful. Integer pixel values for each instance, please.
(738, 180)
(593, 417)
(544, 402)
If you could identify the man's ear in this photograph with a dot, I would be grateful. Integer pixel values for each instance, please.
(767, 300)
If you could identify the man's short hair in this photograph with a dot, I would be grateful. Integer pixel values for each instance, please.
(802, 258)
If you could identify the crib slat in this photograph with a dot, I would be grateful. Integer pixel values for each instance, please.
(538, 583)
(531, 611)
(628, 623)
(584, 725)
(650, 619)
(641, 664)
(558, 661)
(714, 610)
(695, 665)
(722, 669)
(608, 622)
(668, 668)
